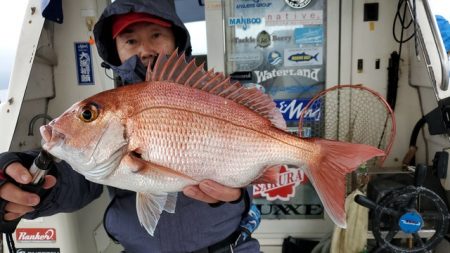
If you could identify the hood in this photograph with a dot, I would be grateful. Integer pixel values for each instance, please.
(162, 9)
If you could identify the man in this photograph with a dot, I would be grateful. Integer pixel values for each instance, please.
(129, 35)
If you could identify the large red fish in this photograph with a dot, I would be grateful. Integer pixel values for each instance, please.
(184, 125)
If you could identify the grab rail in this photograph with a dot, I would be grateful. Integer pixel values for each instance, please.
(439, 45)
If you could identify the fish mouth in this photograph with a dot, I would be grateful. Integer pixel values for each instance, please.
(51, 136)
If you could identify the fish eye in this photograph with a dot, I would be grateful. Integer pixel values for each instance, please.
(88, 113)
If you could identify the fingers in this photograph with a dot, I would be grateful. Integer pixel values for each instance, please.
(49, 182)
(20, 202)
(12, 193)
(212, 192)
(195, 193)
(18, 209)
(12, 216)
(19, 173)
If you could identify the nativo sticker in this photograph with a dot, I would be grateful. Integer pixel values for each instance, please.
(301, 17)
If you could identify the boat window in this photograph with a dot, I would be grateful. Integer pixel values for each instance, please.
(11, 19)
(197, 30)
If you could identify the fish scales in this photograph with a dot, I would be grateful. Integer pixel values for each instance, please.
(161, 135)
(203, 144)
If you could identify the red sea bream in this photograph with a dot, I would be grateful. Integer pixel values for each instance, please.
(184, 125)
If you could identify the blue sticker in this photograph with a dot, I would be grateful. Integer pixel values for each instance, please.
(83, 55)
(410, 222)
(275, 58)
(292, 108)
(309, 35)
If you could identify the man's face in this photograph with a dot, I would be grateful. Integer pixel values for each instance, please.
(145, 40)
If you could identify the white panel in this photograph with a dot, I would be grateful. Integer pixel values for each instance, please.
(215, 35)
(29, 37)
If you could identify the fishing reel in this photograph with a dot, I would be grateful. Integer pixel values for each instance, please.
(398, 222)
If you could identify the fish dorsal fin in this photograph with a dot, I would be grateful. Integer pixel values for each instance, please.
(174, 68)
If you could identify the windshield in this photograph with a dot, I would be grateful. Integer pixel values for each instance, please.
(11, 19)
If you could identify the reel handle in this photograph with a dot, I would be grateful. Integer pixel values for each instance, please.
(365, 201)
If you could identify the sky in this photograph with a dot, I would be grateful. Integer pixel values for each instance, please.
(11, 18)
(440, 7)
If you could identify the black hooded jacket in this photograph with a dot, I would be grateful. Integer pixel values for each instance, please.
(133, 70)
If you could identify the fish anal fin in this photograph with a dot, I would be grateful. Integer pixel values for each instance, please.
(149, 207)
(269, 176)
(335, 160)
(209, 81)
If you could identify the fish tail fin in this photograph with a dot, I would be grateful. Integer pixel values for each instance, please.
(315, 56)
(328, 175)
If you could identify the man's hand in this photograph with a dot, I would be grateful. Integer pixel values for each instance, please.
(20, 202)
(212, 192)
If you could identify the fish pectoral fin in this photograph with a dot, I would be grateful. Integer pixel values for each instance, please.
(149, 207)
(134, 161)
(139, 165)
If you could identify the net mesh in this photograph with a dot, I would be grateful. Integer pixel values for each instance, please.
(350, 113)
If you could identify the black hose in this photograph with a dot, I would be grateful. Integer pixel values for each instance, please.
(415, 133)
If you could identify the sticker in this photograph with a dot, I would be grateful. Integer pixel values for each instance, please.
(298, 4)
(292, 108)
(311, 73)
(410, 222)
(278, 38)
(35, 234)
(275, 58)
(83, 55)
(38, 250)
(294, 18)
(295, 89)
(284, 188)
(241, 75)
(309, 35)
(243, 22)
(246, 61)
(253, 4)
(302, 57)
(263, 39)
(246, 39)
(243, 57)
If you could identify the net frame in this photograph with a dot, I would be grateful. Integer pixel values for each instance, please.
(335, 104)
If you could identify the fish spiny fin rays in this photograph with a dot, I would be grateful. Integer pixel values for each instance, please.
(150, 206)
(174, 68)
(328, 174)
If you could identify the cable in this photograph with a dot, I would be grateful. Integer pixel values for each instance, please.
(401, 19)
(10, 242)
(394, 61)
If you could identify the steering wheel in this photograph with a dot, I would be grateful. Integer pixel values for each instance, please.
(398, 213)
